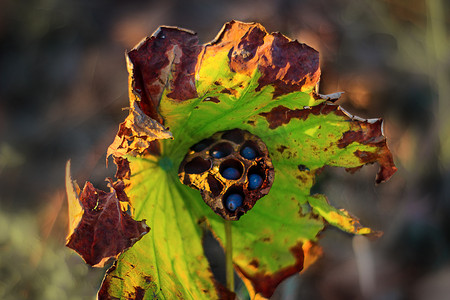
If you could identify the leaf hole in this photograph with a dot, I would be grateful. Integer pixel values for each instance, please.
(302, 168)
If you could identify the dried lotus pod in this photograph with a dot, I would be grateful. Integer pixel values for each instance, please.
(232, 169)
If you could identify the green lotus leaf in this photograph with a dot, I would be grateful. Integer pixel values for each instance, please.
(182, 92)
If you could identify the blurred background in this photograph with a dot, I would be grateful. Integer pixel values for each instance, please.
(63, 84)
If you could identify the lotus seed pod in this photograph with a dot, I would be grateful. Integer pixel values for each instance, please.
(232, 169)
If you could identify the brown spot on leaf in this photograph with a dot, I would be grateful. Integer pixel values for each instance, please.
(211, 99)
(228, 91)
(281, 149)
(302, 168)
(281, 115)
(108, 280)
(303, 179)
(139, 293)
(254, 262)
(265, 283)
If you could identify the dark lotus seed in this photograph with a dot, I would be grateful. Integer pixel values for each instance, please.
(217, 154)
(233, 201)
(231, 173)
(254, 181)
(248, 153)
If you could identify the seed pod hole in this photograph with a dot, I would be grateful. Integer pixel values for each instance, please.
(197, 166)
(250, 150)
(231, 169)
(221, 150)
(248, 153)
(233, 199)
(254, 181)
(214, 185)
(255, 178)
(234, 135)
(202, 145)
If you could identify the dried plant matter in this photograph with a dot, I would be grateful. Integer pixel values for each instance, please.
(101, 228)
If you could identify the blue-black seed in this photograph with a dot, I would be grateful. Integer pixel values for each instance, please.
(231, 173)
(217, 154)
(248, 153)
(233, 201)
(254, 181)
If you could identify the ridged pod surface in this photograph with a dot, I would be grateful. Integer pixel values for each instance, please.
(210, 166)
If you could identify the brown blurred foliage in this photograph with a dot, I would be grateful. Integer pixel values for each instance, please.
(63, 85)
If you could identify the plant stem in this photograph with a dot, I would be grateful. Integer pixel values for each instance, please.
(229, 256)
